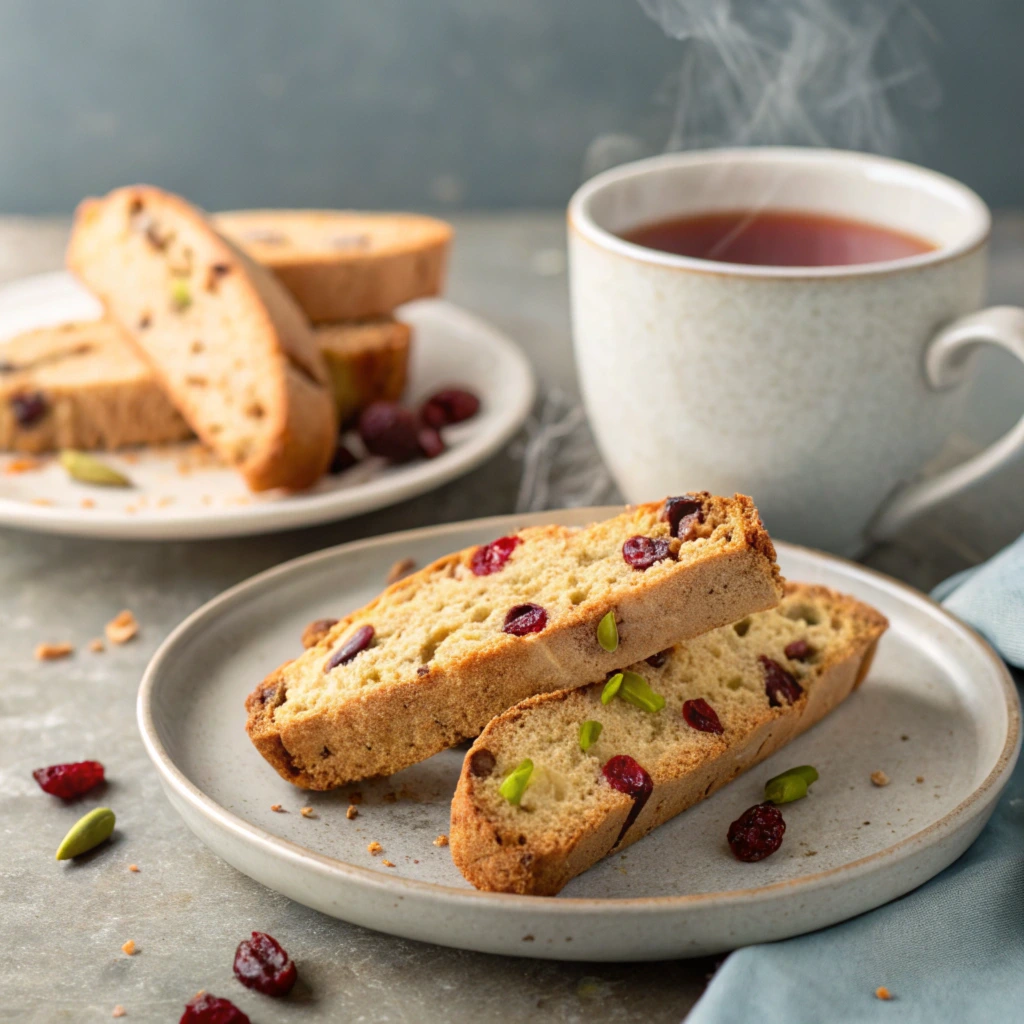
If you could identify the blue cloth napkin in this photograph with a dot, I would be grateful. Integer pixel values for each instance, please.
(952, 950)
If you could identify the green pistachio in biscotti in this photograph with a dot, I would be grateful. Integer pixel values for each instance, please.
(608, 633)
(636, 690)
(589, 733)
(514, 786)
(611, 688)
(181, 293)
(87, 833)
(87, 469)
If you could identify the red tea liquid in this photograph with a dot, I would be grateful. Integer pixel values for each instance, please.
(777, 238)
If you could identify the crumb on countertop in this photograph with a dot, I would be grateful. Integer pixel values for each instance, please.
(278, 809)
(879, 778)
(374, 848)
(920, 778)
(387, 864)
(882, 993)
(96, 645)
(441, 840)
(129, 948)
(307, 812)
(122, 627)
(351, 812)
(51, 652)
(119, 1011)
(133, 868)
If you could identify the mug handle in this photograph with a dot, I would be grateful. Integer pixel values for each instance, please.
(945, 366)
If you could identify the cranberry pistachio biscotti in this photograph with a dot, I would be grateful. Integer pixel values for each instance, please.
(80, 385)
(225, 340)
(345, 264)
(83, 385)
(561, 780)
(440, 653)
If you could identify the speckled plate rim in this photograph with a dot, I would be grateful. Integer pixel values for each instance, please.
(977, 805)
(304, 509)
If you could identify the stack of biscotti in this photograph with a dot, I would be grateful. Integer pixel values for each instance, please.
(182, 295)
(619, 673)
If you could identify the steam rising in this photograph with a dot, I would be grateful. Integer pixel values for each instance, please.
(842, 73)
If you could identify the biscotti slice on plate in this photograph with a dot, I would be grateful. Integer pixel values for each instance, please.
(367, 360)
(80, 385)
(700, 715)
(441, 652)
(343, 264)
(83, 385)
(226, 341)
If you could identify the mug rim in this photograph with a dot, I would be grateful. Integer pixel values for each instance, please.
(581, 220)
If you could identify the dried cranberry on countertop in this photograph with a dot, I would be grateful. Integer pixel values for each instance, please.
(757, 832)
(69, 780)
(261, 964)
(207, 1009)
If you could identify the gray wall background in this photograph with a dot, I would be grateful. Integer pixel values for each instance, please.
(402, 103)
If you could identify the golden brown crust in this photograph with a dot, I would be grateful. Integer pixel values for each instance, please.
(493, 858)
(398, 257)
(297, 430)
(390, 727)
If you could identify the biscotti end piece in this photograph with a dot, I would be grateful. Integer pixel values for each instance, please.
(441, 652)
(80, 385)
(569, 817)
(226, 341)
(367, 361)
(345, 264)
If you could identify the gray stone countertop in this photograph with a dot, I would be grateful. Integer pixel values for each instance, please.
(63, 925)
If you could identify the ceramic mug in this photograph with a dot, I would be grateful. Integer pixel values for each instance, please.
(820, 391)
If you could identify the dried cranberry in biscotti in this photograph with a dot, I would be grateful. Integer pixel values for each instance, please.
(780, 685)
(524, 619)
(28, 408)
(491, 558)
(642, 552)
(798, 650)
(355, 644)
(699, 714)
(684, 515)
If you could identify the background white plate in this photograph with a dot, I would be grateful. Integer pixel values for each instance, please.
(938, 706)
(449, 347)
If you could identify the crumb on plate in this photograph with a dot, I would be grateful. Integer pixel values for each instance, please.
(307, 812)
(387, 864)
(129, 948)
(882, 993)
(441, 840)
(879, 778)
(119, 1011)
(351, 812)
(96, 645)
(374, 848)
(278, 809)
(400, 570)
(133, 868)
(25, 465)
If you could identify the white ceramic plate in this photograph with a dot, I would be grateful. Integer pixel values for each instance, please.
(938, 706)
(177, 496)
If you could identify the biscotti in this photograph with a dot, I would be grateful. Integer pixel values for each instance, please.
(83, 385)
(226, 341)
(342, 264)
(441, 652)
(747, 689)
(80, 385)
(367, 361)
